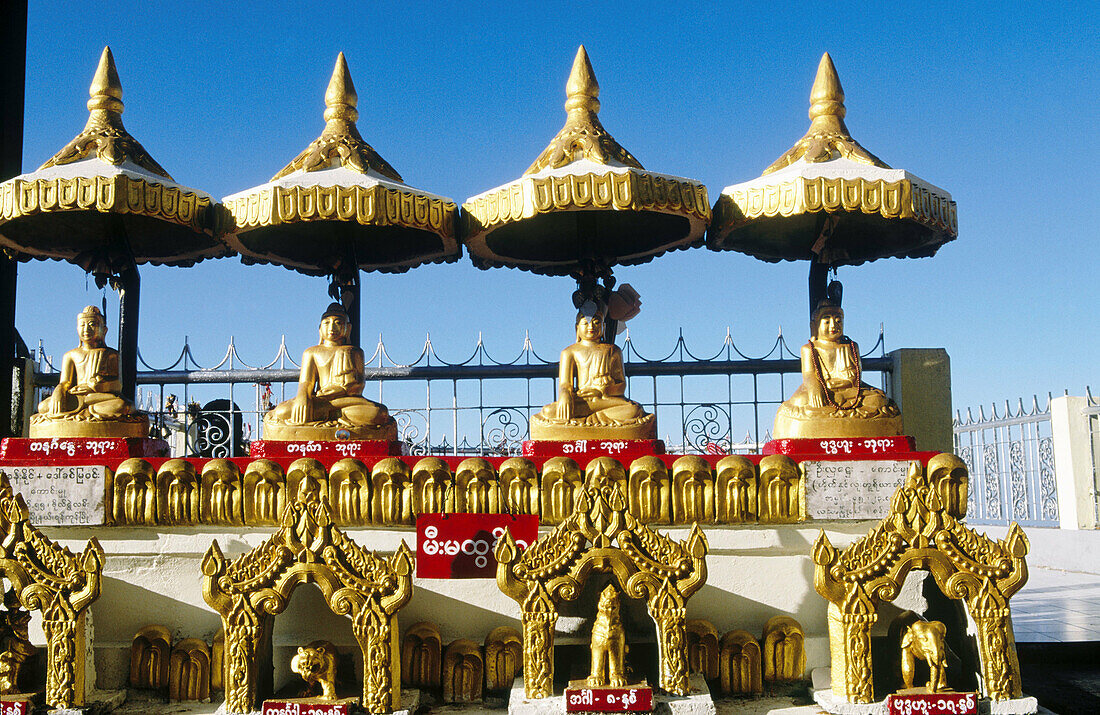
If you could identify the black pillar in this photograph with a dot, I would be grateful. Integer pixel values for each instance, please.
(128, 284)
(819, 284)
(13, 58)
(351, 293)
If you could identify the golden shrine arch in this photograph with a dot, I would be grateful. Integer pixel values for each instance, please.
(309, 548)
(923, 531)
(602, 536)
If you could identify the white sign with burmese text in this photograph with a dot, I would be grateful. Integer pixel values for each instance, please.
(61, 496)
(852, 490)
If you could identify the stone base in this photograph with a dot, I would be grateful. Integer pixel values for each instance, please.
(788, 426)
(1016, 706)
(542, 430)
(43, 427)
(628, 449)
(328, 449)
(82, 448)
(386, 432)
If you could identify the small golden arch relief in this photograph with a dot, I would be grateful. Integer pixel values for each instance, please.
(316, 663)
(503, 657)
(421, 657)
(608, 644)
(189, 671)
(739, 664)
(463, 672)
(702, 639)
(925, 640)
(149, 657)
(784, 650)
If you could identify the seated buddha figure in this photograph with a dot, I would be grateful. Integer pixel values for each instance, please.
(591, 385)
(87, 401)
(330, 392)
(832, 400)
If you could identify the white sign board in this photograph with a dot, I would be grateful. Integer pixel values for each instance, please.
(61, 495)
(852, 490)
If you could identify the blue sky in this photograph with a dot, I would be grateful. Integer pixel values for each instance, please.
(998, 107)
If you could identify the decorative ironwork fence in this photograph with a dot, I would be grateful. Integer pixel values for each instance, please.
(1010, 456)
(722, 403)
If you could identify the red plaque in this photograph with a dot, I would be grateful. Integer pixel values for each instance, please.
(592, 448)
(932, 704)
(297, 707)
(16, 707)
(54, 448)
(324, 449)
(842, 446)
(462, 545)
(608, 700)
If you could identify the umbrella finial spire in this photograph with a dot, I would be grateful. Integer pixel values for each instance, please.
(582, 89)
(828, 137)
(827, 96)
(104, 136)
(105, 92)
(340, 97)
(582, 137)
(340, 143)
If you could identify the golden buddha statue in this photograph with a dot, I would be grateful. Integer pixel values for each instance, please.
(87, 401)
(591, 385)
(832, 400)
(330, 392)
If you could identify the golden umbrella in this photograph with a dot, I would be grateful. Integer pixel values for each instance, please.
(585, 205)
(339, 208)
(104, 204)
(830, 201)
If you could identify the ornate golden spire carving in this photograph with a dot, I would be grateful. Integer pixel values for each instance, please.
(582, 137)
(104, 134)
(340, 141)
(827, 137)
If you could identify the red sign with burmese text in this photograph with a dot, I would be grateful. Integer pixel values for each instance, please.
(15, 707)
(290, 707)
(462, 545)
(608, 700)
(933, 704)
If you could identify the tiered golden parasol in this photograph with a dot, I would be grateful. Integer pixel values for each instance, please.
(104, 204)
(830, 201)
(339, 208)
(585, 205)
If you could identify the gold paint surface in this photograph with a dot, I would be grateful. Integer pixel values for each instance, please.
(87, 401)
(832, 400)
(600, 535)
(309, 547)
(922, 532)
(62, 585)
(591, 389)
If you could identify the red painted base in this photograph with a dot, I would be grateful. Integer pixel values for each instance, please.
(309, 706)
(337, 449)
(842, 446)
(910, 703)
(54, 448)
(592, 448)
(636, 699)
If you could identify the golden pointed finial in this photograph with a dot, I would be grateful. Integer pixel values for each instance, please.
(828, 137)
(582, 89)
(105, 93)
(827, 96)
(103, 135)
(582, 137)
(340, 97)
(340, 143)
